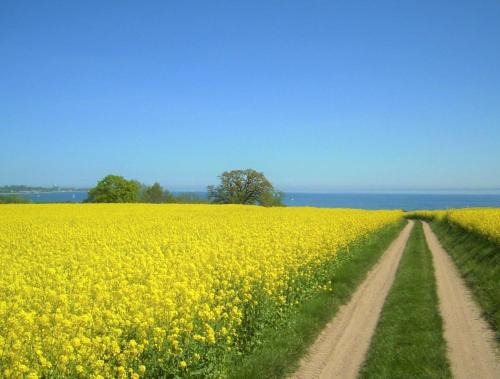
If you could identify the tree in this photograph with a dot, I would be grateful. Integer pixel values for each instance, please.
(13, 199)
(189, 198)
(244, 187)
(114, 189)
(272, 199)
(156, 194)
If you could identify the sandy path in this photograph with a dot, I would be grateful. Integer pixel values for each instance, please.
(471, 349)
(340, 349)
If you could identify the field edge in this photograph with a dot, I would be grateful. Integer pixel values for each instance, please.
(477, 260)
(280, 351)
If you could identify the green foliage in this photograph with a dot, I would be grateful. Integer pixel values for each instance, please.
(281, 347)
(478, 261)
(236, 187)
(156, 194)
(244, 187)
(115, 189)
(188, 198)
(408, 341)
(272, 199)
(13, 199)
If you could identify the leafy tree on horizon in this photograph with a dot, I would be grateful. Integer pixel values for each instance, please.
(245, 187)
(115, 189)
(156, 194)
(189, 198)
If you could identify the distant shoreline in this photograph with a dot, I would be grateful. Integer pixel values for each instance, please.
(430, 192)
(407, 201)
(42, 192)
(419, 193)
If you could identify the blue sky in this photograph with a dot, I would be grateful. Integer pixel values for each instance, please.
(319, 95)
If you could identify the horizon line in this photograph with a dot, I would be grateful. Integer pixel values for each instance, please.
(430, 191)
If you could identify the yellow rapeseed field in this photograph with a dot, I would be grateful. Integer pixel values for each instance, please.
(485, 221)
(134, 290)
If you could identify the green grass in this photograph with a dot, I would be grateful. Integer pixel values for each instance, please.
(408, 341)
(13, 199)
(282, 347)
(478, 261)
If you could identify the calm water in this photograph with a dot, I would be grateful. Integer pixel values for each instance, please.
(392, 201)
(339, 200)
(56, 197)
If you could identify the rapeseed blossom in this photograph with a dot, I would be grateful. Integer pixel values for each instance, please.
(485, 221)
(135, 290)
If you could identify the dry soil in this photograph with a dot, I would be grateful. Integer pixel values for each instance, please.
(340, 349)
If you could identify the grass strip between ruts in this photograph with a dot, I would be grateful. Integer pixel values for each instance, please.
(281, 349)
(408, 341)
(478, 261)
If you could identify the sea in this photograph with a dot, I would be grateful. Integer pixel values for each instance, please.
(406, 201)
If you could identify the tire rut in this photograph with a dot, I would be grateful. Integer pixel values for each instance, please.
(340, 349)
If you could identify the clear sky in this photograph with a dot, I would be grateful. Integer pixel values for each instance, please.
(319, 95)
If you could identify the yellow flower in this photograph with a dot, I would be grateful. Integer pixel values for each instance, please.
(95, 286)
(484, 221)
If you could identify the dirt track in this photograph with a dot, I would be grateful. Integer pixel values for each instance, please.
(340, 349)
(471, 348)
